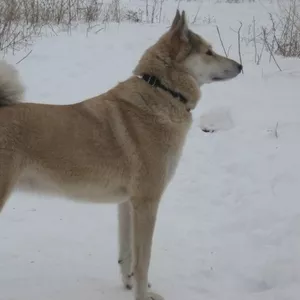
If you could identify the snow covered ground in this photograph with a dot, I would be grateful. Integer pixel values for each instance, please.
(229, 223)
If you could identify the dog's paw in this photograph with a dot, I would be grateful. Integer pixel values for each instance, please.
(151, 296)
(128, 282)
(218, 119)
(154, 296)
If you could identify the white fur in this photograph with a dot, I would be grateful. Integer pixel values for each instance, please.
(206, 69)
(93, 192)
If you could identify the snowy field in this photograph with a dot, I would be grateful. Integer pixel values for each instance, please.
(229, 223)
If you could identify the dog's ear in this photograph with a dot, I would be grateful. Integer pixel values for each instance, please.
(180, 27)
(176, 20)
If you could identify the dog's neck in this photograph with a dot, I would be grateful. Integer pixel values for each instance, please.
(155, 82)
(170, 75)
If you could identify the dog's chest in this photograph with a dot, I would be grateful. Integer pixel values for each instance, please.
(174, 153)
(172, 160)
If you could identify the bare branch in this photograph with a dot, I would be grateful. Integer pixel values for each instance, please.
(24, 57)
(269, 49)
(196, 16)
(276, 130)
(219, 34)
(254, 41)
(239, 44)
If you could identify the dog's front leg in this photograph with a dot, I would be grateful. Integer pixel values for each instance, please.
(144, 211)
(125, 244)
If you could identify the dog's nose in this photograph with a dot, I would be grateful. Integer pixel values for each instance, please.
(240, 67)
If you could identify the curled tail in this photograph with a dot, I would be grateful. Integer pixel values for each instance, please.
(11, 88)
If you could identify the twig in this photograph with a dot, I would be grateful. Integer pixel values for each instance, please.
(256, 59)
(239, 44)
(52, 29)
(276, 131)
(99, 30)
(228, 50)
(261, 53)
(147, 11)
(222, 41)
(160, 9)
(24, 57)
(196, 16)
(268, 46)
(178, 5)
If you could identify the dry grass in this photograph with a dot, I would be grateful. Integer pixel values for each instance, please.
(286, 30)
(22, 20)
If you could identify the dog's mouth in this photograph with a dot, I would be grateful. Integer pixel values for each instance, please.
(217, 78)
(228, 74)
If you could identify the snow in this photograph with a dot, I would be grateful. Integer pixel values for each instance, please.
(229, 223)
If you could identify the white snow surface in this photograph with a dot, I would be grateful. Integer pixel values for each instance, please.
(229, 222)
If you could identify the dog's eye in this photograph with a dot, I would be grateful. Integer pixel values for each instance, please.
(209, 52)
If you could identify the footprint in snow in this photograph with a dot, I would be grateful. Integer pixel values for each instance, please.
(216, 119)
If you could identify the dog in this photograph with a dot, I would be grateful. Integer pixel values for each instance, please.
(120, 147)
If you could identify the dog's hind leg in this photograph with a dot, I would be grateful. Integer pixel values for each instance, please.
(125, 242)
(4, 194)
(9, 171)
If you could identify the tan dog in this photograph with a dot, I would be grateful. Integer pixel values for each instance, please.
(122, 146)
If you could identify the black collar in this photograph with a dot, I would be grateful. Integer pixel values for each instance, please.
(154, 81)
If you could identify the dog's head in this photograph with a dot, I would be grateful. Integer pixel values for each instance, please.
(183, 61)
(197, 55)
